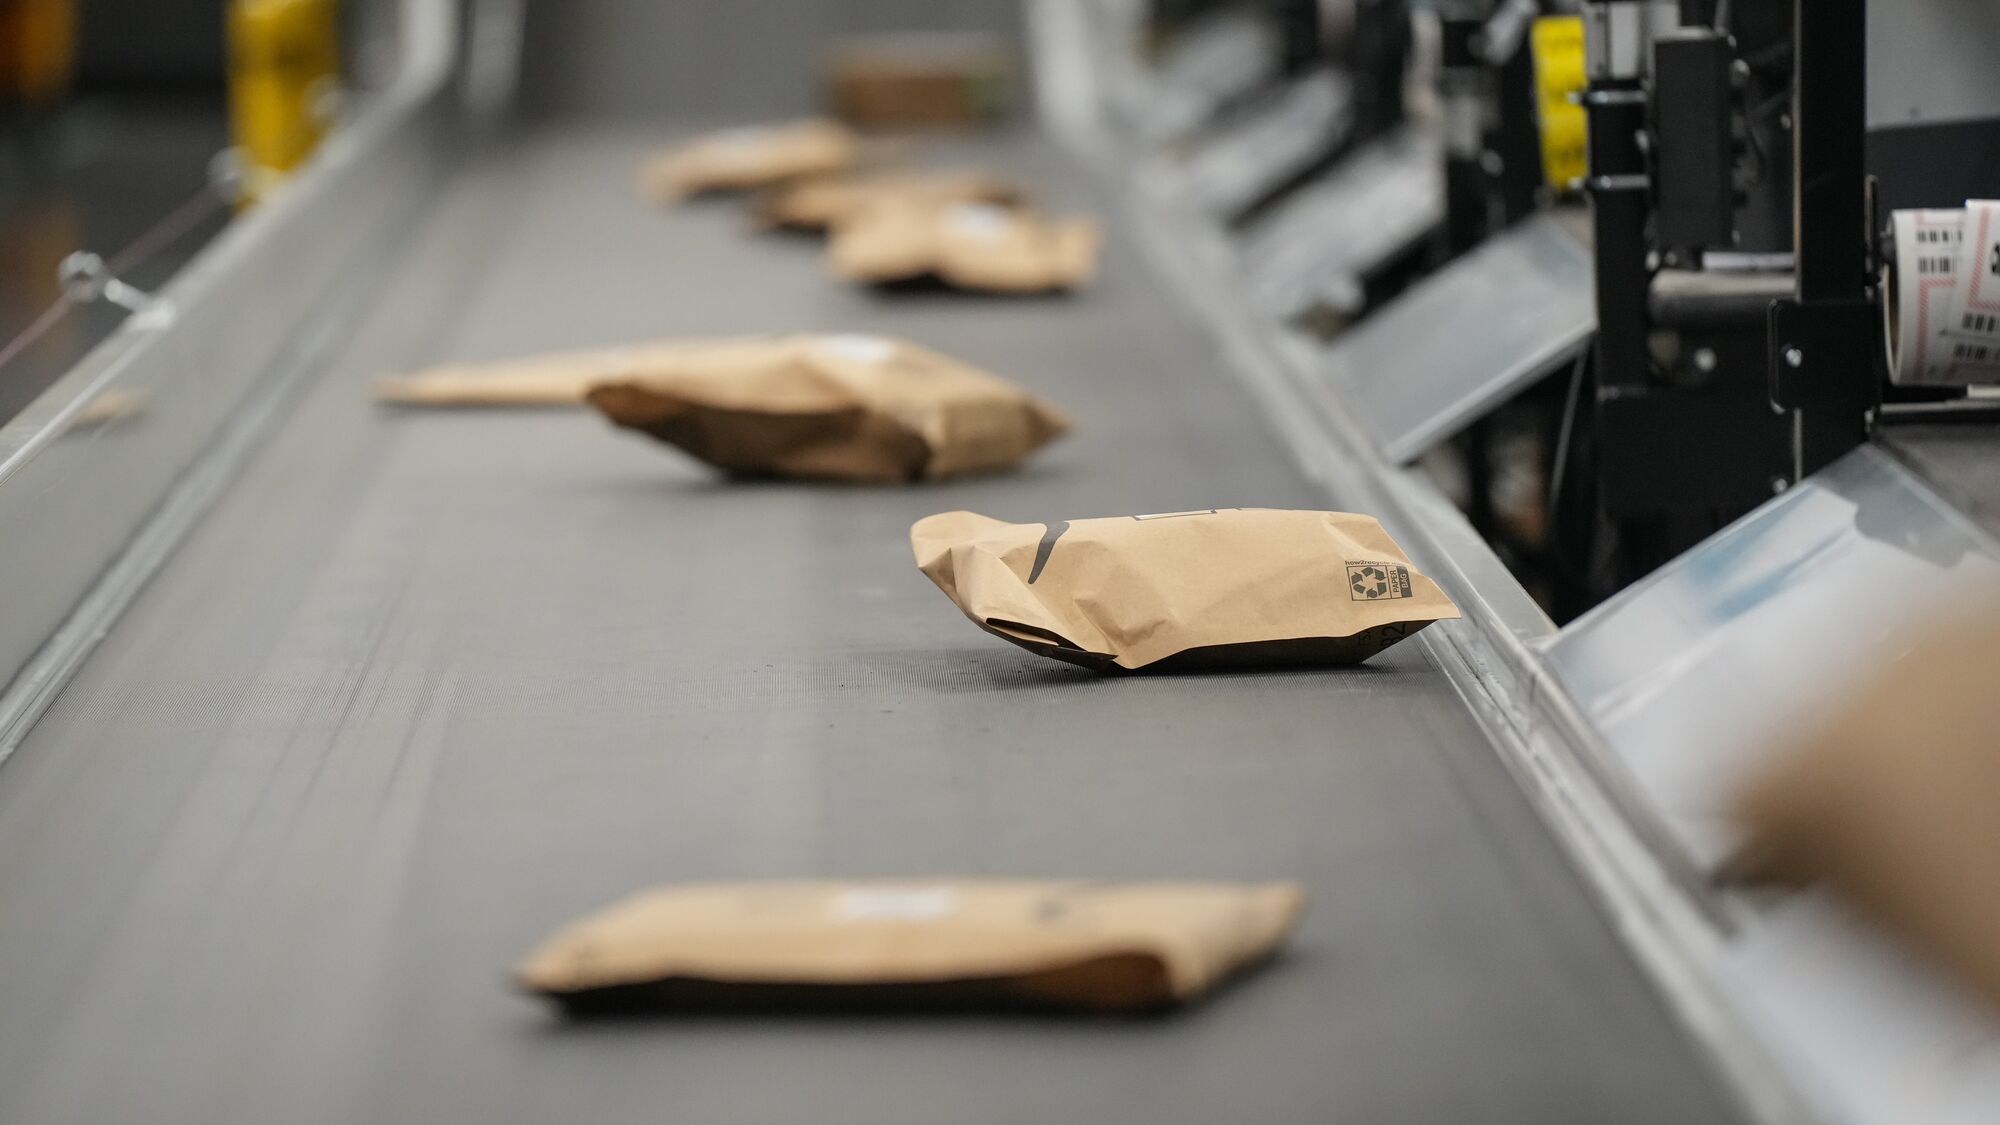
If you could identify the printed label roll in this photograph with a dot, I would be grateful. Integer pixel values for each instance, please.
(1941, 296)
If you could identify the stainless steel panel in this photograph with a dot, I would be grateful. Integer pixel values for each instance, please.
(1247, 156)
(1691, 676)
(1208, 66)
(1318, 246)
(1689, 673)
(1468, 338)
(1881, 1037)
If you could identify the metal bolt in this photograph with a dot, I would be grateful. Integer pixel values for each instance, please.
(82, 276)
(1794, 357)
(1779, 485)
(85, 280)
(1704, 360)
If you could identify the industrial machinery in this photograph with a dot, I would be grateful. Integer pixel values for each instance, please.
(1738, 246)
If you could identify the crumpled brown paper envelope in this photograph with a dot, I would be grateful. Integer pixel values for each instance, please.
(839, 407)
(1893, 800)
(756, 156)
(821, 202)
(1069, 945)
(1235, 586)
(916, 79)
(975, 246)
(561, 379)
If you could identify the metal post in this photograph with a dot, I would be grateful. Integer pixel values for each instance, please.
(1466, 89)
(1618, 185)
(1825, 343)
(1829, 132)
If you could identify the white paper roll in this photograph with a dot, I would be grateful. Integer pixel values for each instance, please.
(1941, 297)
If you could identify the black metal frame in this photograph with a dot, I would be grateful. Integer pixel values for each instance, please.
(1825, 342)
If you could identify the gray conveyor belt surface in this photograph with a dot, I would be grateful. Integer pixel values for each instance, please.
(424, 686)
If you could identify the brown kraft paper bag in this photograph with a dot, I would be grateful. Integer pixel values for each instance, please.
(974, 246)
(1893, 801)
(922, 79)
(561, 379)
(1061, 945)
(1234, 586)
(821, 202)
(743, 159)
(838, 407)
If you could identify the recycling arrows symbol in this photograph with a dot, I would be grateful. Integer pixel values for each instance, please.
(1369, 582)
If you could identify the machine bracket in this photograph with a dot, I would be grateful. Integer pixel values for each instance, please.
(1825, 355)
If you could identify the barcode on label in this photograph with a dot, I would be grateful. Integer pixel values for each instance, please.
(1936, 265)
(1972, 353)
(1941, 236)
(1980, 322)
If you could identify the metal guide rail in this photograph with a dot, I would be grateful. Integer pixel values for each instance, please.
(417, 689)
(1631, 725)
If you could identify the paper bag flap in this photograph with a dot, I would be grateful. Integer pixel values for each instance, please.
(822, 202)
(914, 932)
(558, 379)
(982, 564)
(984, 247)
(972, 421)
(971, 245)
(750, 157)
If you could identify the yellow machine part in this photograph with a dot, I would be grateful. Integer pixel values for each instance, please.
(1560, 72)
(284, 59)
(37, 50)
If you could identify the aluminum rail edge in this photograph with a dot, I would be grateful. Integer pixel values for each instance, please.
(87, 514)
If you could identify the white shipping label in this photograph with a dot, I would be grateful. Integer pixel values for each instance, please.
(1973, 330)
(857, 348)
(1920, 294)
(897, 904)
(978, 220)
(740, 143)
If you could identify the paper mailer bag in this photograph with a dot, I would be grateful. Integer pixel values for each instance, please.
(974, 246)
(560, 379)
(1066, 945)
(1234, 586)
(839, 407)
(747, 158)
(821, 202)
(1893, 801)
(906, 79)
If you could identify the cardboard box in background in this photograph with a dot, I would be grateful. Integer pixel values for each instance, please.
(909, 80)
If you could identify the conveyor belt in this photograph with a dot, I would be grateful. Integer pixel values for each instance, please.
(425, 686)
